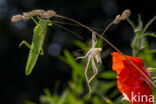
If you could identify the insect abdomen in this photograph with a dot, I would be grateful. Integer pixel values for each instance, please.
(31, 62)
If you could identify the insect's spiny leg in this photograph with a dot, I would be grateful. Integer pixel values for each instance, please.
(94, 70)
(86, 70)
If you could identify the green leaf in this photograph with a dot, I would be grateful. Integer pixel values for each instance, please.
(107, 86)
(47, 92)
(62, 99)
(114, 93)
(125, 102)
(29, 102)
(154, 78)
(80, 44)
(148, 24)
(99, 43)
(151, 35)
(140, 24)
(151, 69)
(137, 42)
(153, 73)
(131, 23)
(153, 51)
(96, 100)
(108, 75)
(154, 93)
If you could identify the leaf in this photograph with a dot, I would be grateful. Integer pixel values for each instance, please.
(108, 75)
(96, 100)
(125, 102)
(154, 78)
(140, 24)
(154, 93)
(131, 23)
(29, 102)
(80, 44)
(153, 51)
(62, 99)
(151, 35)
(137, 42)
(148, 24)
(114, 93)
(47, 92)
(77, 68)
(99, 43)
(153, 73)
(151, 69)
(107, 86)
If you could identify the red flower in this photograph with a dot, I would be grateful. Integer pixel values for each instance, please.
(132, 84)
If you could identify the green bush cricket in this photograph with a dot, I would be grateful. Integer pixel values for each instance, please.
(39, 33)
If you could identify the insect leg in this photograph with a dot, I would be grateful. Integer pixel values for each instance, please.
(25, 43)
(34, 20)
(49, 23)
(85, 55)
(41, 51)
(29, 46)
(86, 69)
(94, 70)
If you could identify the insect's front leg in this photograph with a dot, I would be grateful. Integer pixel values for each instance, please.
(34, 20)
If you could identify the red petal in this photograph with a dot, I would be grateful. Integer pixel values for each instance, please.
(117, 62)
(130, 80)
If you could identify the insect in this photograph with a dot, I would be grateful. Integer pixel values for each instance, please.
(39, 34)
(93, 54)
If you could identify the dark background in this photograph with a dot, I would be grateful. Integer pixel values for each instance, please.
(15, 86)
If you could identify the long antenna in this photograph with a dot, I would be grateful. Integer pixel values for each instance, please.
(72, 24)
(68, 30)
